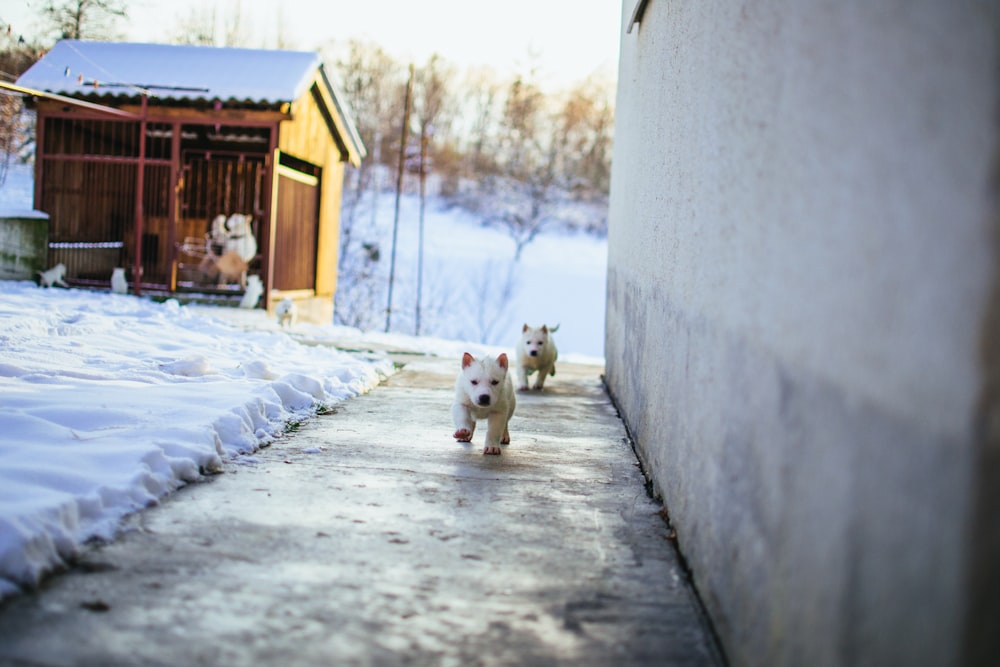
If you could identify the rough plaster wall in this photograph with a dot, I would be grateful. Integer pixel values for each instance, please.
(799, 258)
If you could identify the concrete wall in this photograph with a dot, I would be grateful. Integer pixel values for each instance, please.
(801, 259)
(24, 244)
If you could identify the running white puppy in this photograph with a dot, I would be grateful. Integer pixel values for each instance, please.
(483, 390)
(536, 352)
(53, 276)
(287, 312)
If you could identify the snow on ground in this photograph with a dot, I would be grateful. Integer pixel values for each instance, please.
(108, 402)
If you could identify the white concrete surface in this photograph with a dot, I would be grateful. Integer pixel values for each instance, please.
(800, 255)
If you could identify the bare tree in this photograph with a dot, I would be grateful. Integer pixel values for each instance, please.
(370, 80)
(484, 94)
(430, 98)
(228, 25)
(431, 95)
(83, 19)
(16, 128)
(524, 191)
(583, 132)
(198, 28)
(234, 30)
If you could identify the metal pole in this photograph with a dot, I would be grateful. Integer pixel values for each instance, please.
(420, 242)
(399, 190)
(376, 186)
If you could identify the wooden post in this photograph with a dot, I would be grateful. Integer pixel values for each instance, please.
(140, 181)
(399, 189)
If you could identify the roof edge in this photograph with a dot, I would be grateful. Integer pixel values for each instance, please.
(344, 118)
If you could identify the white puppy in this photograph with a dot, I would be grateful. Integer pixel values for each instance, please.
(239, 237)
(287, 312)
(483, 390)
(119, 283)
(53, 276)
(253, 292)
(219, 234)
(536, 352)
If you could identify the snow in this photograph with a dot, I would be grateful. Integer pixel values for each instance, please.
(109, 402)
(17, 191)
(171, 71)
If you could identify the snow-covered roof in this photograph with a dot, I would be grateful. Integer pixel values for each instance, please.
(166, 72)
(172, 72)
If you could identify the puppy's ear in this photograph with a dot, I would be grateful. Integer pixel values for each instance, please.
(525, 328)
(467, 359)
(502, 360)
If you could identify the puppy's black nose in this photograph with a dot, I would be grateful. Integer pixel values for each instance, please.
(484, 400)
(534, 353)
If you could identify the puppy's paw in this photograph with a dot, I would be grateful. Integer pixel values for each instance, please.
(505, 440)
(463, 435)
(488, 450)
(523, 387)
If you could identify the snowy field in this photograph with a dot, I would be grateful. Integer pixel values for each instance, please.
(108, 402)
(559, 280)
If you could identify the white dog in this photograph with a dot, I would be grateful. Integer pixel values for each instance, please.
(53, 276)
(239, 237)
(218, 235)
(119, 283)
(229, 248)
(253, 292)
(536, 352)
(483, 390)
(287, 312)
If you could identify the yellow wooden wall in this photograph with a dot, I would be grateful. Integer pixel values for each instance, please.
(308, 137)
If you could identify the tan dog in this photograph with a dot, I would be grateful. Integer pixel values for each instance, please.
(483, 390)
(536, 352)
(231, 269)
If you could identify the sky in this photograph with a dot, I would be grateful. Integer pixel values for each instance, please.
(568, 40)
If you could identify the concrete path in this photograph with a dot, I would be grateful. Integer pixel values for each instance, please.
(371, 537)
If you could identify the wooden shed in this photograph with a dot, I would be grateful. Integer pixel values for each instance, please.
(140, 147)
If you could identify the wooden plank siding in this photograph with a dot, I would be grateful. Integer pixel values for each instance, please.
(310, 137)
(296, 237)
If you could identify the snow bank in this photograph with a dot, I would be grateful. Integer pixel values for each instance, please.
(109, 402)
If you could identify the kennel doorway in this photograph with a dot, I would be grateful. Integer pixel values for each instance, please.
(215, 183)
(295, 232)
